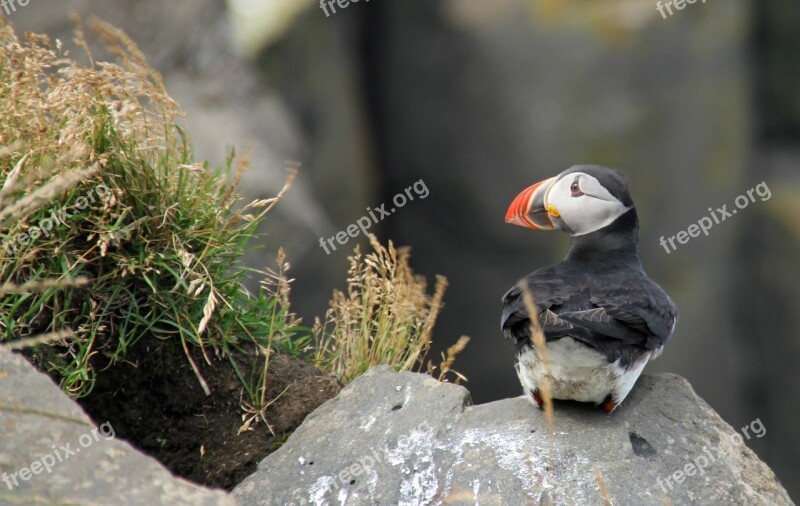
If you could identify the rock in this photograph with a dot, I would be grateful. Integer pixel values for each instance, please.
(403, 438)
(51, 452)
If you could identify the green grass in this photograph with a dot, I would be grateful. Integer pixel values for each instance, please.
(153, 243)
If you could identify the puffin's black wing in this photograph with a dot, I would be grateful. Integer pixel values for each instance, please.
(636, 312)
(610, 312)
(548, 289)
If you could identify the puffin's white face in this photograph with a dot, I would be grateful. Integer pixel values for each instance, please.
(578, 204)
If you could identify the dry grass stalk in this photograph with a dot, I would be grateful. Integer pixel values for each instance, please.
(448, 360)
(9, 288)
(603, 485)
(546, 388)
(53, 337)
(276, 284)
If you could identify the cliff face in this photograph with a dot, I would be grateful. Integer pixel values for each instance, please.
(401, 438)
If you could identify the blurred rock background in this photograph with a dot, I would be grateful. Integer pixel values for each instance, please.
(482, 98)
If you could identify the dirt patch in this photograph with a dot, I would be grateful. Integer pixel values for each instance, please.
(155, 402)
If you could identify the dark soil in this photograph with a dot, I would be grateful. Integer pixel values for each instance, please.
(155, 402)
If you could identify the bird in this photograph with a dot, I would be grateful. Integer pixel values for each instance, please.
(602, 317)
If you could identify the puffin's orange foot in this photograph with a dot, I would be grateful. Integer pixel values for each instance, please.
(609, 405)
(537, 398)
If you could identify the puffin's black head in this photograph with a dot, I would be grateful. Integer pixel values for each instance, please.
(580, 200)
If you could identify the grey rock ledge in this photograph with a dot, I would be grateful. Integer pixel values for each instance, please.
(403, 438)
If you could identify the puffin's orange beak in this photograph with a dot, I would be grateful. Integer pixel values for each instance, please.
(529, 209)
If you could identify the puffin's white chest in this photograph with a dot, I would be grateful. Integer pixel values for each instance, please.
(577, 372)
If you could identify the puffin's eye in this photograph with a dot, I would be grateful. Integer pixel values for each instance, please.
(575, 188)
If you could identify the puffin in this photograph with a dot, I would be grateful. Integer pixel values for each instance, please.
(602, 317)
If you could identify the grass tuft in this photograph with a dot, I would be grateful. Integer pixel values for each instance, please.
(110, 231)
(386, 317)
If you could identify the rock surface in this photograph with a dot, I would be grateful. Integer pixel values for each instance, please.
(52, 453)
(402, 438)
